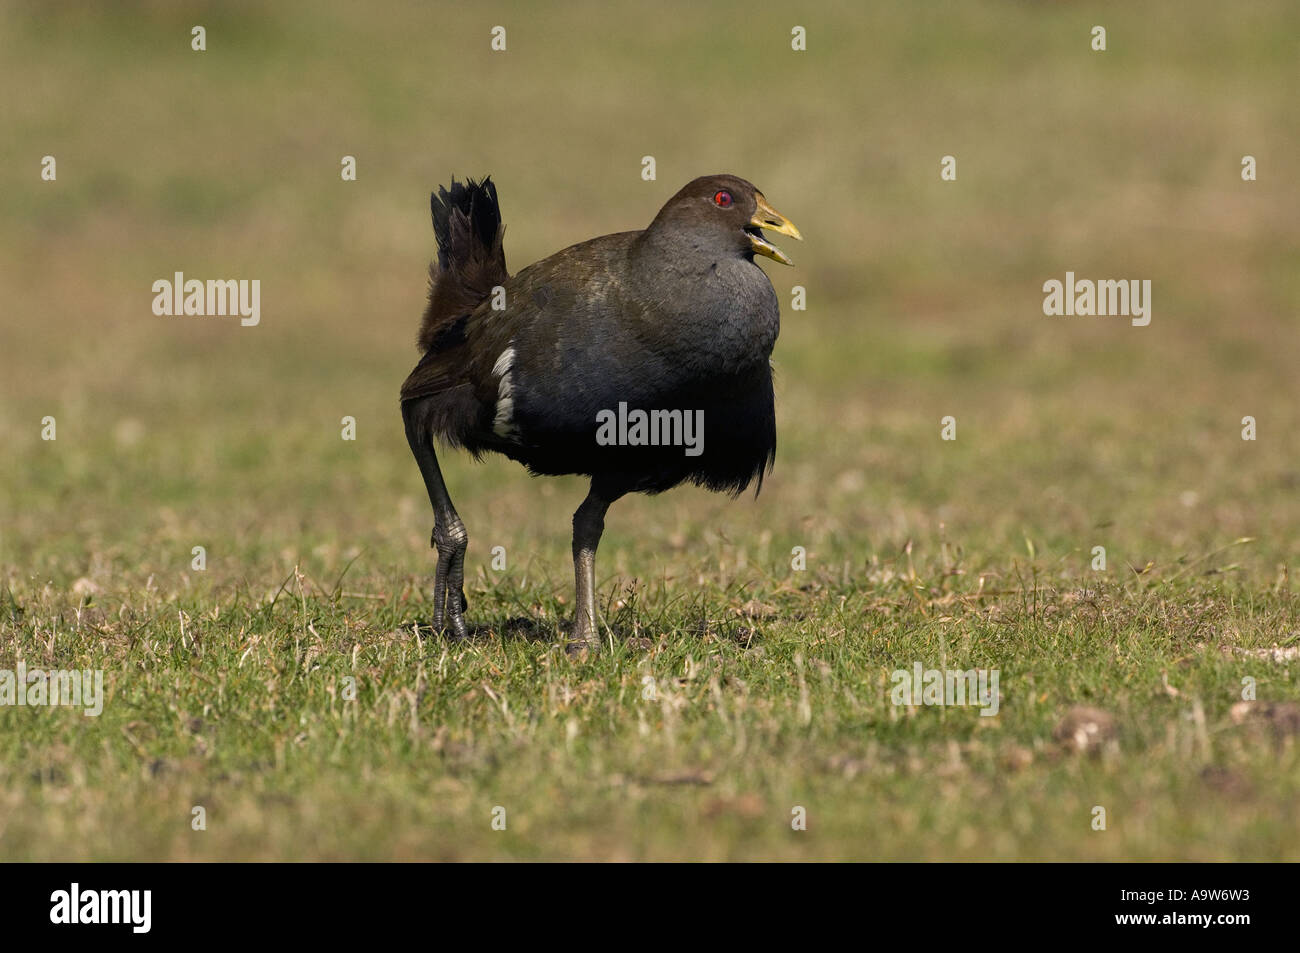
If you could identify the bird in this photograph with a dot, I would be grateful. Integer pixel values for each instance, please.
(639, 359)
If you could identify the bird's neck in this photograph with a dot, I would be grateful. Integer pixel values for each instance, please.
(720, 308)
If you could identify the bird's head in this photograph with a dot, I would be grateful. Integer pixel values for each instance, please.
(724, 214)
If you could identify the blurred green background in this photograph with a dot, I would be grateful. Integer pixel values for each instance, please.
(924, 296)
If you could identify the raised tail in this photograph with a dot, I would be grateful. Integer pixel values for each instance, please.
(471, 260)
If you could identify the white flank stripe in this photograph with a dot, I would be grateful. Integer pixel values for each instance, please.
(503, 423)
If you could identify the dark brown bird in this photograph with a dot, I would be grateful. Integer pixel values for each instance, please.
(640, 359)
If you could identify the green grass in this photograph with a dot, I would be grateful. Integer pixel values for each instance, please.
(226, 687)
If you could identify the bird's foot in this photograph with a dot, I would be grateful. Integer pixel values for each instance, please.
(582, 639)
(580, 649)
(452, 623)
(449, 602)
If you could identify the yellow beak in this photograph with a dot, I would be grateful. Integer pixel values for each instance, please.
(769, 218)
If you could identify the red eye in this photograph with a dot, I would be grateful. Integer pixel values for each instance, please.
(722, 199)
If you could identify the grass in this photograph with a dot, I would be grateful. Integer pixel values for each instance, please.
(769, 687)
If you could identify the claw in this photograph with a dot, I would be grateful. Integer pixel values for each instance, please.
(456, 612)
(584, 636)
(448, 584)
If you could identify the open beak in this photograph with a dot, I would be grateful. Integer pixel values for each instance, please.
(766, 217)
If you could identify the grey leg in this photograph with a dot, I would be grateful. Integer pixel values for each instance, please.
(588, 525)
(449, 538)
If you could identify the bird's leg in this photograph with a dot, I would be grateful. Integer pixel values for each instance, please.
(449, 538)
(588, 524)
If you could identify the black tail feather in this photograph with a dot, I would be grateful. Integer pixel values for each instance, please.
(471, 260)
(477, 202)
